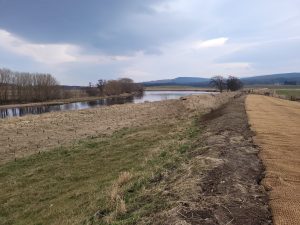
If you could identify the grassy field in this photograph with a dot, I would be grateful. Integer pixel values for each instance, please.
(276, 124)
(106, 180)
(289, 93)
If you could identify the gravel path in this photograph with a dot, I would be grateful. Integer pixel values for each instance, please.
(277, 126)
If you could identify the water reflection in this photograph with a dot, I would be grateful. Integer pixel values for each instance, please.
(148, 96)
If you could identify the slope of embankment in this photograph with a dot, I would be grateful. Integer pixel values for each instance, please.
(189, 161)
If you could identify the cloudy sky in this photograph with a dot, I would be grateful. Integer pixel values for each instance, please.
(80, 41)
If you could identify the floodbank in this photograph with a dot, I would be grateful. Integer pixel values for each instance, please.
(188, 161)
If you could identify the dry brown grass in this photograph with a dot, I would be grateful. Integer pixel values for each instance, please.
(116, 197)
(277, 126)
(36, 133)
(87, 182)
(124, 178)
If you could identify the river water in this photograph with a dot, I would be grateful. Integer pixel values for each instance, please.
(149, 96)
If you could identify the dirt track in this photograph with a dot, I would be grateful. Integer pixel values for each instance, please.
(277, 126)
(221, 183)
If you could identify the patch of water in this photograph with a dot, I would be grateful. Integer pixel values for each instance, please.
(148, 96)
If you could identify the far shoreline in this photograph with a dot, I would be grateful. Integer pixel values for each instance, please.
(64, 101)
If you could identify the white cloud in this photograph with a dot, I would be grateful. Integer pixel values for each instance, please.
(46, 53)
(217, 42)
(173, 6)
(51, 53)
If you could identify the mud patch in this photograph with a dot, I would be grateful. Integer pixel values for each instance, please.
(233, 188)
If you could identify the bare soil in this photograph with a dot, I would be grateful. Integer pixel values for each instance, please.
(220, 185)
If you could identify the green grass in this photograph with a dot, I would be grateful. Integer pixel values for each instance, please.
(68, 185)
(289, 93)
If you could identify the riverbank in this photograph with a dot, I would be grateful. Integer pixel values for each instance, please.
(64, 101)
(22, 136)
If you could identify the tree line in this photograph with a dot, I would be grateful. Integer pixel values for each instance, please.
(21, 87)
(114, 87)
(231, 83)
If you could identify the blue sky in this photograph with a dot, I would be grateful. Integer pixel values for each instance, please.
(81, 41)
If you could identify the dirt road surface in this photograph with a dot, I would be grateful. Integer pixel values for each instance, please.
(276, 123)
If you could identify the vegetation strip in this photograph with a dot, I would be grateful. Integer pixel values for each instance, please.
(276, 123)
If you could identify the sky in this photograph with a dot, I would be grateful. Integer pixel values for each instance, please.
(82, 41)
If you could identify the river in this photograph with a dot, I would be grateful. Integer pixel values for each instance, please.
(149, 96)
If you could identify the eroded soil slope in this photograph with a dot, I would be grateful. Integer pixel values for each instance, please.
(277, 126)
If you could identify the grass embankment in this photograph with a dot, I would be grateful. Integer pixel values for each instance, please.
(109, 179)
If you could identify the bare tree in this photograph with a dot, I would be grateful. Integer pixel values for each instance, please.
(101, 85)
(218, 82)
(91, 90)
(26, 87)
(5, 79)
(113, 87)
(123, 85)
(234, 83)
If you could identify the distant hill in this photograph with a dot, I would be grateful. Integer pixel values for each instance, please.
(272, 79)
(204, 82)
(189, 81)
(72, 87)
